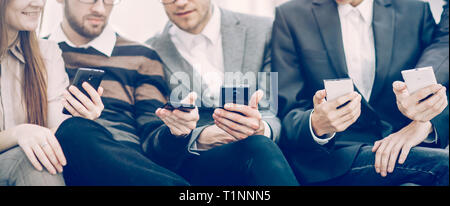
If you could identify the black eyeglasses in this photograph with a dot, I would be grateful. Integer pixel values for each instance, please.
(107, 2)
(167, 2)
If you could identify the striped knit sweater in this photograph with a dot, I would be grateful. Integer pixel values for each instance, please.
(134, 87)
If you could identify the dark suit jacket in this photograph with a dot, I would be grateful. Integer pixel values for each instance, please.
(308, 48)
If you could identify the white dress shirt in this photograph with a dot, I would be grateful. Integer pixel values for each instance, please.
(104, 43)
(359, 49)
(359, 44)
(204, 52)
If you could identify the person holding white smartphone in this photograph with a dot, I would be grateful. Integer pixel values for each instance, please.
(378, 137)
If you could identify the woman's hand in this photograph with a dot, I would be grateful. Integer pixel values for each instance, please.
(40, 146)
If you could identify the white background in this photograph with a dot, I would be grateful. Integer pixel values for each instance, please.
(141, 19)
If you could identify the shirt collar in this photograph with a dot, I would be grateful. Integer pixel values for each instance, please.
(365, 8)
(211, 31)
(104, 43)
(16, 51)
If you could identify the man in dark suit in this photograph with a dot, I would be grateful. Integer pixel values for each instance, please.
(370, 41)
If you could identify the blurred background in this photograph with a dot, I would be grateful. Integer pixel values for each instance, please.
(141, 19)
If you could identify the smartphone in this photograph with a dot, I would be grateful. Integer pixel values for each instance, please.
(178, 106)
(92, 76)
(234, 94)
(336, 88)
(418, 78)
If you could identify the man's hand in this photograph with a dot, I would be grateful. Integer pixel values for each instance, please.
(388, 149)
(89, 108)
(241, 126)
(410, 105)
(213, 136)
(328, 119)
(180, 123)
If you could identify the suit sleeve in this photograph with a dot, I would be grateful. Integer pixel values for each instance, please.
(295, 102)
(436, 54)
(267, 109)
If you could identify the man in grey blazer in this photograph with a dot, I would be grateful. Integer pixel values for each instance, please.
(374, 139)
(203, 48)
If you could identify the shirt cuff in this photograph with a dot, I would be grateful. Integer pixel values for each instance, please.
(430, 140)
(267, 130)
(320, 141)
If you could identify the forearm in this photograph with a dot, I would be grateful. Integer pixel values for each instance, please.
(164, 148)
(297, 131)
(440, 123)
(7, 140)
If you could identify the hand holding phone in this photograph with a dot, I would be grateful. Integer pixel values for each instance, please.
(239, 120)
(181, 123)
(420, 98)
(342, 102)
(418, 78)
(178, 106)
(336, 88)
(84, 97)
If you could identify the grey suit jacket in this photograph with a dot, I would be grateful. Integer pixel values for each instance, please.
(246, 49)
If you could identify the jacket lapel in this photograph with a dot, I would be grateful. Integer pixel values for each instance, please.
(327, 18)
(233, 42)
(383, 28)
(175, 63)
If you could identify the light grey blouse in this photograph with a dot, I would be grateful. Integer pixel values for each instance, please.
(12, 105)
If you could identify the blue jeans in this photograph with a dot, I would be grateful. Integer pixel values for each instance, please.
(424, 166)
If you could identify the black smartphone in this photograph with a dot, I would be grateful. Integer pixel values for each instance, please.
(178, 106)
(234, 94)
(92, 76)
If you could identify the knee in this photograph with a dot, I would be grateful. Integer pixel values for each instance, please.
(23, 173)
(259, 145)
(78, 129)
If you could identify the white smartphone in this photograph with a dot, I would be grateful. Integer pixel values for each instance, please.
(418, 78)
(336, 88)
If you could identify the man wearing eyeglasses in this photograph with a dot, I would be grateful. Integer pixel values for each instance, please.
(204, 47)
(134, 87)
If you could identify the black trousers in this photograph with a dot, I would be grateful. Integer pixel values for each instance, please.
(95, 158)
(254, 161)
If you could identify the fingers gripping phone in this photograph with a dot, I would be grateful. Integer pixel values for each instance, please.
(178, 106)
(234, 94)
(92, 76)
(336, 88)
(419, 78)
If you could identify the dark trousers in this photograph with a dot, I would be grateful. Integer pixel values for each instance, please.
(423, 166)
(94, 158)
(254, 161)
